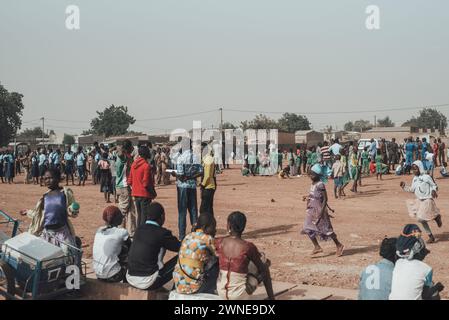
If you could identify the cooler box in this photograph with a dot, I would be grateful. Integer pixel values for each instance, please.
(30, 249)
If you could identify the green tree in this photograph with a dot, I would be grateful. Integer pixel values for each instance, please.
(385, 122)
(349, 126)
(68, 139)
(229, 125)
(113, 121)
(428, 118)
(362, 125)
(11, 112)
(31, 135)
(292, 122)
(261, 121)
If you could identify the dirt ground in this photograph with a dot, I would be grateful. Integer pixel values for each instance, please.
(275, 213)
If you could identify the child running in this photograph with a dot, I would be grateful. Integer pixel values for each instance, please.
(423, 208)
(317, 222)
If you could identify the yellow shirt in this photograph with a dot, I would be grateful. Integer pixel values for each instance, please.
(208, 181)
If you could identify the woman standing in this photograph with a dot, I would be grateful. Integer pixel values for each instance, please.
(35, 167)
(423, 208)
(105, 175)
(69, 165)
(50, 218)
(317, 222)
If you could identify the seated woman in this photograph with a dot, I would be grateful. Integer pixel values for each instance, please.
(146, 269)
(50, 216)
(242, 266)
(197, 267)
(111, 246)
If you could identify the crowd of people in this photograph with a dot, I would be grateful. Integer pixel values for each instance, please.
(228, 267)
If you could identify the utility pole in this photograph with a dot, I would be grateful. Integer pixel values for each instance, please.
(221, 119)
(43, 129)
(375, 122)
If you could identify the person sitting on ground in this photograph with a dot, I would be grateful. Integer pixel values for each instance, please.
(284, 173)
(245, 168)
(146, 269)
(197, 268)
(375, 280)
(443, 170)
(111, 246)
(242, 266)
(412, 278)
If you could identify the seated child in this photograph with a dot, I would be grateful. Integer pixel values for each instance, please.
(284, 173)
(111, 245)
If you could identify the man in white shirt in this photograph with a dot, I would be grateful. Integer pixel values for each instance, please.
(412, 278)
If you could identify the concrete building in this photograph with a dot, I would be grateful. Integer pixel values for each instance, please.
(309, 137)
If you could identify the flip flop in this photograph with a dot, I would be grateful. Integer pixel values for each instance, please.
(341, 251)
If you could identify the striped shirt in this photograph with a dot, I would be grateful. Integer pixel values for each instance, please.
(325, 153)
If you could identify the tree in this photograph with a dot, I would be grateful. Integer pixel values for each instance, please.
(292, 122)
(362, 125)
(261, 121)
(113, 121)
(385, 122)
(428, 119)
(11, 112)
(229, 125)
(31, 135)
(68, 139)
(87, 132)
(349, 126)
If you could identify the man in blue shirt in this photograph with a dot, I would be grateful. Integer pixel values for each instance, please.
(375, 280)
(186, 187)
(81, 165)
(42, 165)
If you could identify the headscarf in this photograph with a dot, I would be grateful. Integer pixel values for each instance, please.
(410, 242)
(420, 166)
(111, 215)
(321, 171)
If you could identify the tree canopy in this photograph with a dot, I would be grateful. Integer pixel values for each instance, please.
(292, 122)
(359, 125)
(428, 118)
(68, 139)
(31, 135)
(113, 121)
(289, 122)
(11, 112)
(385, 122)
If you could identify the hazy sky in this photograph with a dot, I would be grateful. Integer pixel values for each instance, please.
(164, 58)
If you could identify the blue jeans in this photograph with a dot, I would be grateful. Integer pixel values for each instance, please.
(186, 201)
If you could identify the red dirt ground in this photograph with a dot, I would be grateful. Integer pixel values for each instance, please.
(275, 212)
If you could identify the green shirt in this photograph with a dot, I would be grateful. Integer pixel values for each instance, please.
(379, 160)
(121, 169)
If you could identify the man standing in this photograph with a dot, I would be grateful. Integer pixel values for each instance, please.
(441, 151)
(125, 202)
(141, 181)
(393, 150)
(208, 182)
(373, 149)
(188, 169)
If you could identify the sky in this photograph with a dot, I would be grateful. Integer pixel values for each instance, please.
(175, 61)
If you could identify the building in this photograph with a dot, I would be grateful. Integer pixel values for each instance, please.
(400, 133)
(309, 137)
(88, 140)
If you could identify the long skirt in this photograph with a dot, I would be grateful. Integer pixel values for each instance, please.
(64, 239)
(105, 180)
(423, 210)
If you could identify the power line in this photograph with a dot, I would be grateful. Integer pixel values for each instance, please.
(340, 112)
